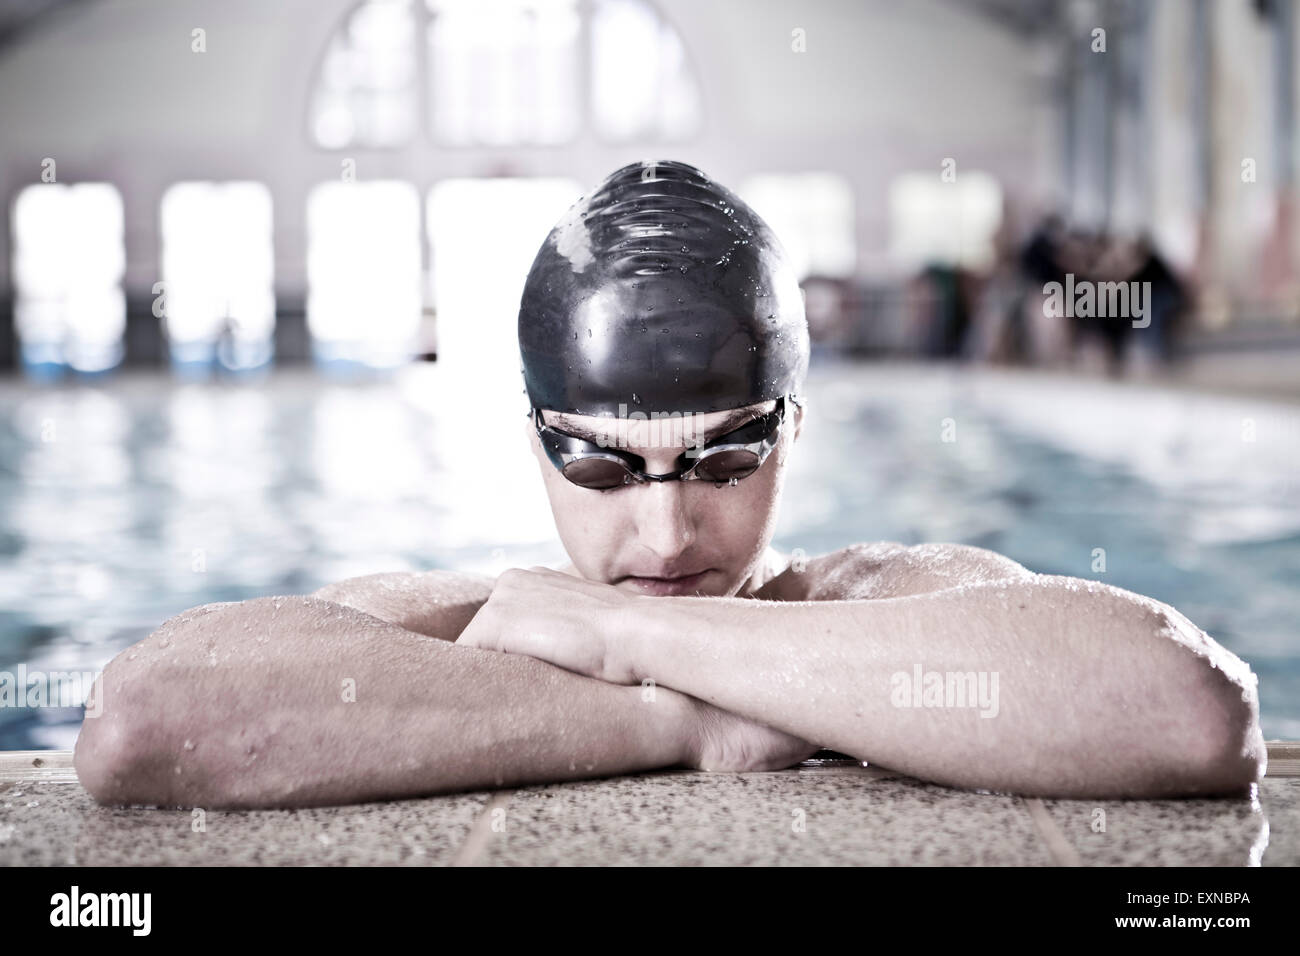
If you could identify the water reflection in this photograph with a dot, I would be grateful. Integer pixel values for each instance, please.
(122, 506)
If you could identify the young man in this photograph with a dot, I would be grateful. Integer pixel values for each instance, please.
(664, 350)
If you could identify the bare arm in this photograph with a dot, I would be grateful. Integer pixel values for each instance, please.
(299, 701)
(436, 603)
(1087, 690)
(949, 663)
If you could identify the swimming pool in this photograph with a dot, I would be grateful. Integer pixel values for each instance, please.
(125, 502)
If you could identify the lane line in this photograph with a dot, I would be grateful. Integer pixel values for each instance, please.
(1058, 847)
(480, 831)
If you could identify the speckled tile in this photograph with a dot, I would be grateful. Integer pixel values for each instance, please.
(58, 823)
(1228, 831)
(848, 817)
(1280, 798)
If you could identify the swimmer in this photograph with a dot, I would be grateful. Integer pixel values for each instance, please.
(664, 352)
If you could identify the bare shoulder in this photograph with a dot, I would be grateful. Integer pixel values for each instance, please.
(887, 569)
(437, 603)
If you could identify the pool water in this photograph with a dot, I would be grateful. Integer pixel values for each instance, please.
(129, 500)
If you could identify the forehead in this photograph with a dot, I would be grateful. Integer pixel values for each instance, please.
(650, 429)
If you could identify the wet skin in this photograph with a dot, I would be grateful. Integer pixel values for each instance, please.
(656, 592)
(756, 661)
(674, 537)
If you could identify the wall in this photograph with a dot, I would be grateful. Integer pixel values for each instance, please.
(110, 90)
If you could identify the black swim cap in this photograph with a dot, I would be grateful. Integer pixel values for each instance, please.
(662, 292)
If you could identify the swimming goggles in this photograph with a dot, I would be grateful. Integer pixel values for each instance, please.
(725, 459)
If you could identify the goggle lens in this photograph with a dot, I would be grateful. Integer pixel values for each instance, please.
(734, 463)
(599, 473)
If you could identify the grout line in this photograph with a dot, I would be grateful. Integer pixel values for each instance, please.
(1058, 847)
(480, 831)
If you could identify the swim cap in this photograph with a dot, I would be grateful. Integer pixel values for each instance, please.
(662, 292)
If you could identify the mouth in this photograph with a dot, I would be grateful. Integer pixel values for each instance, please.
(680, 584)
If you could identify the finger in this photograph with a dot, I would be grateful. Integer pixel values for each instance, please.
(550, 578)
(538, 644)
(573, 582)
(551, 572)
(533, 573)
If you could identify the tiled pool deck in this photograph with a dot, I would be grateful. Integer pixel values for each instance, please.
(818, 813)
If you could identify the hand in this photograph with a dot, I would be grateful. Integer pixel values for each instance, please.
(583, 626)
(559, 618)
(723, 741)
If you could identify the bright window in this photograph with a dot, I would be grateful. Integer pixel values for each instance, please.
(483, 237)
(366, 90)
(217, 267)
(642, 86)
(503, 72)
(68, 265)
(944, 223)
(363, 271)
(812, 215)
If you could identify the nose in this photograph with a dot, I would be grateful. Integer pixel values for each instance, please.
(664, 522)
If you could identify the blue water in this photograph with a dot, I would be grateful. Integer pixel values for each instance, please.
(125, 502)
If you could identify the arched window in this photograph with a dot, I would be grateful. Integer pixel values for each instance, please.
(504, 73)
(642, 86)
(366, 89)
(503, 76)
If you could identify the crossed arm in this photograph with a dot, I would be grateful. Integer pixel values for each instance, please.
(1100, 692)
(949, 663)
(303, 701)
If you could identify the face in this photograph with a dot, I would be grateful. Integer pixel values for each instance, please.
(670, 537)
